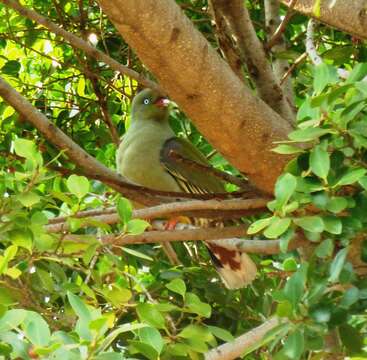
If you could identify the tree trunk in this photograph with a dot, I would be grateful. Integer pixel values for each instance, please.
(242, 127)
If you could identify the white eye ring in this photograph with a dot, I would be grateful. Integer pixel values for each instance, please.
(146, 101)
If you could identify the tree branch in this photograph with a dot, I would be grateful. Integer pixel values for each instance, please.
(275, 28)
(90, 166)
(348, 16)
(278, 33)
(234, 349)
(203, 85)
(79, 43)
(253, 52)
(195, 208)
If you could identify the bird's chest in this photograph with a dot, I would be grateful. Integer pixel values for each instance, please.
(139, 161)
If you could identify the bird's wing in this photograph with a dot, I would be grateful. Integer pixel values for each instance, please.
(236, 270)
(189, 178)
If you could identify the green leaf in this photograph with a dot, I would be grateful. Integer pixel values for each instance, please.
(310, 223)
(284, 189)
(149, 314)
(111, 337)
(11, 68)
(294, 288)
(36, 329)
(29, 198)
(363, 182)
(117, 295)
(258, 225)
(124, 209)
(10, 252)
(178, 286)
(320, 162)
(136, 226)
(220, 333)
(196, 332)
(285, 149)
(308, 134)
(352, 339)
(337, 265)
(12, 319)
(147, 350)
(294, 345)
(284, 309)
(78, 185)
(13, 272)
(325, 248)
(290, 264)
(337, 204)
(332, 224)
(324, 75)
(79, 307)
(351, 177)
(136, 253)
(358, 73)
(25, 148)
(152, 337)
(277, 227)
(196, 306)
(81, 86)
(350, 297)
(22, 238)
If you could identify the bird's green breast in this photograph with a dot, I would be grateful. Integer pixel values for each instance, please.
(138, 157)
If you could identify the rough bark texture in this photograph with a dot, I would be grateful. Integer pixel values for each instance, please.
(349, 16)
(253, 53)
(239, 125)
(280, 66)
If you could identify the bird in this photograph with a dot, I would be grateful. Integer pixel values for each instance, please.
(143, 157)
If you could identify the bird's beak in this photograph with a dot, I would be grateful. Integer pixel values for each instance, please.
(162, 102)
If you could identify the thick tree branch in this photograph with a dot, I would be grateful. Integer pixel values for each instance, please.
(238, 124)
(226, 41)
(237, 347)
(79, 43)
(348, 16)
(253, 52)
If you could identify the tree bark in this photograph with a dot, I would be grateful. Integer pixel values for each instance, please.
(349, 16)
(253, 53)
(242, 127)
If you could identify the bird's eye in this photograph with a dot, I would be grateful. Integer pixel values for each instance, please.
(146, 101)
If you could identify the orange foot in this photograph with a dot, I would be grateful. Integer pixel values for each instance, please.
(172, 222)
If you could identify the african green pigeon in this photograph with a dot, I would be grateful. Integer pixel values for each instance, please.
(143, 158)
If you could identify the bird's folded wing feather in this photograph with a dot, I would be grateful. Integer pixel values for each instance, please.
(189, 178)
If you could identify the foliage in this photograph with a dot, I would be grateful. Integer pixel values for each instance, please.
(72, 297)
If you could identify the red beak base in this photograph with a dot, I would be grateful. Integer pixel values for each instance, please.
(161, 102)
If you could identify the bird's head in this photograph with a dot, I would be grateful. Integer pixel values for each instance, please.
(150, 105)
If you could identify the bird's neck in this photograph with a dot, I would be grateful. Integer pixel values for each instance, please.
(158, 126)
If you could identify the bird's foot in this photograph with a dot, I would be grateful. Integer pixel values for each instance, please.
(172, 222)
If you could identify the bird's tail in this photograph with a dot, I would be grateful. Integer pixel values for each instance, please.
(236, 269)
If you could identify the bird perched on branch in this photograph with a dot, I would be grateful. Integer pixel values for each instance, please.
(144, 158)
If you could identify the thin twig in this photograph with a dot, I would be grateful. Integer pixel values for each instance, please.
(292, 67)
